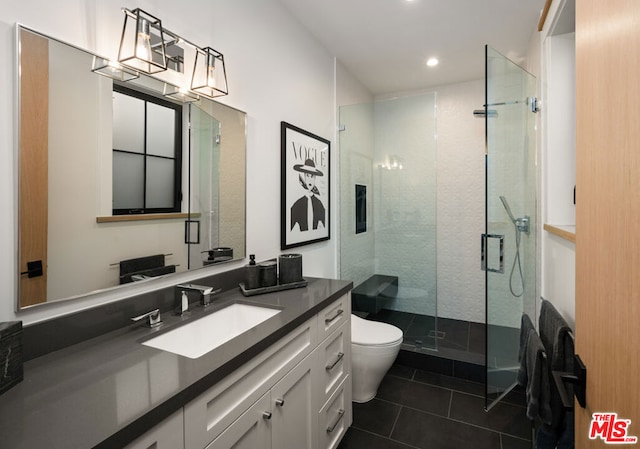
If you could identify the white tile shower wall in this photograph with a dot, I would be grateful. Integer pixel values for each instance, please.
(460, 201)
(405, 199)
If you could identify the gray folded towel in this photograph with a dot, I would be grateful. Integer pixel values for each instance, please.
(151, 272)
(525, 326)
(132, 266)
(534, 376)
(556, 338)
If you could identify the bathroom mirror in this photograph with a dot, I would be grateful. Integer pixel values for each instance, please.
(95, 211)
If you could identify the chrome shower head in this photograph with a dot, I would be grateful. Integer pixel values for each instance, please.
(481, 113)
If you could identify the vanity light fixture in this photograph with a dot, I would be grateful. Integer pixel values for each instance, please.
(142, 46)
(112, 69)
(179, 93)
(148, 47)
(209, 74)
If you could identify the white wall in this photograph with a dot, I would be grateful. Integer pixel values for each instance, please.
(276, 72)
(556, 53)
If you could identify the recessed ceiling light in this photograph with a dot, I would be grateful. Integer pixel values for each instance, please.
(432, 62)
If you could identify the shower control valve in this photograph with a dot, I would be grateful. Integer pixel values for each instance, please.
(522, 224)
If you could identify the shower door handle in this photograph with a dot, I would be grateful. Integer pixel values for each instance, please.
(484, 245)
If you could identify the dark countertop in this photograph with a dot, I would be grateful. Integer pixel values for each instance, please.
(108, 390)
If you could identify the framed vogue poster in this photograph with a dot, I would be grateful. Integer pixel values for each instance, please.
(305, 178)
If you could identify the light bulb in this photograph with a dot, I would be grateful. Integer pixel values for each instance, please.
(211, 71)
(143, 50)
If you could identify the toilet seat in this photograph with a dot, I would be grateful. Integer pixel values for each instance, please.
(374, 333)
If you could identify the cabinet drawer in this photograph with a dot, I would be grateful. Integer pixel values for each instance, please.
(335, 416)
(208, 415)
(250, 431)
(334, 360)
(169, 434)
(333, 316)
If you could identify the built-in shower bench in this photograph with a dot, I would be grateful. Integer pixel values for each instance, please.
(373, 293)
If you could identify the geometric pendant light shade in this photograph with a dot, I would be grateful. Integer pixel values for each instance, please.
(142, 45)
(209, 73)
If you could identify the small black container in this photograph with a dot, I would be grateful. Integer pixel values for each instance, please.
(268, 274)
(290, 267)
(11, 354)
(252, 274)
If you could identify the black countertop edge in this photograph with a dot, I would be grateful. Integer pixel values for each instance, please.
(156, 415)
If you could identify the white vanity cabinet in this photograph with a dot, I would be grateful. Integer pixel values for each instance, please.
(295, 394)
(169, 434)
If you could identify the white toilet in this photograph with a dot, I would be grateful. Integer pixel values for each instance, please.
(374, 348)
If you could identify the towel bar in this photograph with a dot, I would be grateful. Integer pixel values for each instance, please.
(118, 263)
(578, 378)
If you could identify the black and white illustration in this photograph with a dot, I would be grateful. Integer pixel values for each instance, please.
(305, 178)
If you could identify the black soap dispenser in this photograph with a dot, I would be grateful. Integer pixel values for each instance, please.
(251, 274)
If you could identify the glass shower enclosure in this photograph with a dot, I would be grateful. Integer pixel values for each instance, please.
(388, 236)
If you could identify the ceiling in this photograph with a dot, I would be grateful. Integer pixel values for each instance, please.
(385, 43)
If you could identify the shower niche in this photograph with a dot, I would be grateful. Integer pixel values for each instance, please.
(361, 209)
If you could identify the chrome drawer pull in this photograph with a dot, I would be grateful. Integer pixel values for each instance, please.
(338, 313)
(335, 362)
(333, 426)
(266, 415)
(280, 402)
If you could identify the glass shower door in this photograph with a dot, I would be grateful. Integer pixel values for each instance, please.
(509, 243)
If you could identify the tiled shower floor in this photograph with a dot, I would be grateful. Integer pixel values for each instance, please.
(452, 339)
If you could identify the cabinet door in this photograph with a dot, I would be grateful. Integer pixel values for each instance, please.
(294, 406)
(251, 431)
(169, 434)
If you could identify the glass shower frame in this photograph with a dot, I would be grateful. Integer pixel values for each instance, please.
(509, 243)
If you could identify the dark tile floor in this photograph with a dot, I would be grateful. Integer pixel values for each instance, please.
(422, 409)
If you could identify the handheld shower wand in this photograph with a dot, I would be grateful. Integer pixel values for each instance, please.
(521, 225)
(505, 203)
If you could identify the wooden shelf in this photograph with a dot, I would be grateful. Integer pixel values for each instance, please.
(563, 231)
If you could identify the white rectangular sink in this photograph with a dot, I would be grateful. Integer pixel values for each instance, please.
(207, 333)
